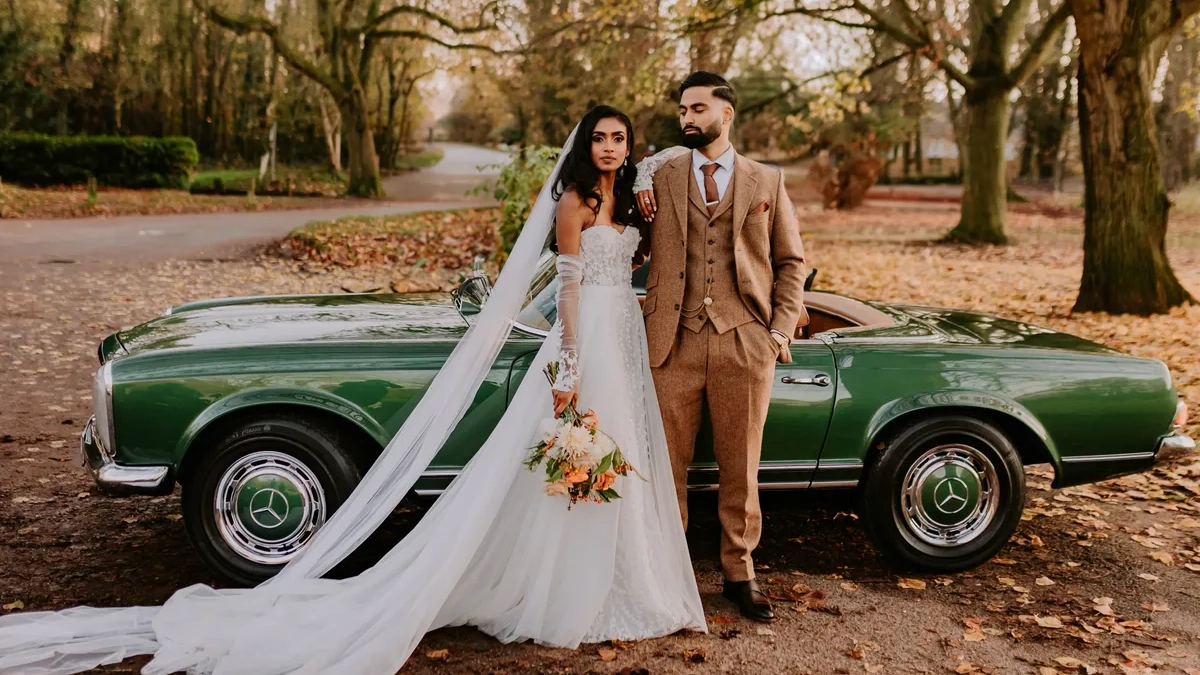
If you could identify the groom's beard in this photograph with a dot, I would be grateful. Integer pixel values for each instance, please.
(702, 138)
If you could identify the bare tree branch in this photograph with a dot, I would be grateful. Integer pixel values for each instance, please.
(1037, 49)
(253, 24)
(480, 27)
(826, 15)
(421, 35)
(911, 41)
(1005, 25)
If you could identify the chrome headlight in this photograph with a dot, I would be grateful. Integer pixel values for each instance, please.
(102, 406)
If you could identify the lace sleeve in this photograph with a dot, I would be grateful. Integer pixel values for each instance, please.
(570, 274)
(650, 166)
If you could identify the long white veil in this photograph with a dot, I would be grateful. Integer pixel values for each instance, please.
(188, 636)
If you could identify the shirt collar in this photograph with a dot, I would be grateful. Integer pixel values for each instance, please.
(725, 160)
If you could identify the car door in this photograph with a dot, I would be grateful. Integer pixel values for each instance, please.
(801, 406)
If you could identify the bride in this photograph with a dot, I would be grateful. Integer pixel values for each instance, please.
(499, 550)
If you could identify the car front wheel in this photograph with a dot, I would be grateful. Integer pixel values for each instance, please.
(262, 490)
(945, 495)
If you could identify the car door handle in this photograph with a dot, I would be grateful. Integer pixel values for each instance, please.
(821, 380)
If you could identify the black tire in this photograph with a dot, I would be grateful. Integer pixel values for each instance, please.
(902, 527)
(298, 450)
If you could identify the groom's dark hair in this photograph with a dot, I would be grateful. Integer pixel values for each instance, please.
(720, 86)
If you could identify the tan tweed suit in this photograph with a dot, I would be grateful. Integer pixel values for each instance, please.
(750, 249)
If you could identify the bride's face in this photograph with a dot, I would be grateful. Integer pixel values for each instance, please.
(610, 144)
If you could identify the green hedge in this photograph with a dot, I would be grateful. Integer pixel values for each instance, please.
(134, 162)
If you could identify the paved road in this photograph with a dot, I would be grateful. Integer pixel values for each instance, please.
(158, 237)
(450, 179)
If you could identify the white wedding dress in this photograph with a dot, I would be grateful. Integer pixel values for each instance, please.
(495, 551)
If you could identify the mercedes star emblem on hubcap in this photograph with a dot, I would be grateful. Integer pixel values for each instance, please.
(269, 508)
(950, 495)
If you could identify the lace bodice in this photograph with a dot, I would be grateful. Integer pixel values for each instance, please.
(606, 254)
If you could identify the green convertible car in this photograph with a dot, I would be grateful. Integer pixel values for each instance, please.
(268, 410)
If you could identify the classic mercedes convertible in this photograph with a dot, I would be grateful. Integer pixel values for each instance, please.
(268, 410)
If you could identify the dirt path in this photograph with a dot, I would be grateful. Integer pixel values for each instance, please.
(1038, 605)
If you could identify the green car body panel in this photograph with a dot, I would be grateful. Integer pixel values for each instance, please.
(1090, 411)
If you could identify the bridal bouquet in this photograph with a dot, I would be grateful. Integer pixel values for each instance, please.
(582, 462)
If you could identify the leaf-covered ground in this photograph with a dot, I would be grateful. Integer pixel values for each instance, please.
(1101, 578)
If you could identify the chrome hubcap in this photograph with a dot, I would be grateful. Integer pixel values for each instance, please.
(268, 506)
(950, 495)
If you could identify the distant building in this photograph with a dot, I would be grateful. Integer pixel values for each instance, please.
(939, 150)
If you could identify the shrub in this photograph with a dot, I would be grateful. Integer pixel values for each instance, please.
(134, 162)
(517, 188)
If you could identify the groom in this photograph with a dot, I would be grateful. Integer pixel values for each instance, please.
(723, 300)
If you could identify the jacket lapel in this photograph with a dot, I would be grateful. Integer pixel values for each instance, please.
(745, 180)
(677, 176)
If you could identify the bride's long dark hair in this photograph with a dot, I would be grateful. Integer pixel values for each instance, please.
(580, 174)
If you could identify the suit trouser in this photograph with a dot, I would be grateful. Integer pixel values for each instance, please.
(734, 372)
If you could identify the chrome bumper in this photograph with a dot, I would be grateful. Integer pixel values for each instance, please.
(1173, 447)
(114, 479)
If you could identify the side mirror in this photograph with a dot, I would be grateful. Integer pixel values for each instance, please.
(809, 281)
(470, 295)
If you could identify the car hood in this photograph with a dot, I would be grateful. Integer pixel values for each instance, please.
(299, 318)
(969, 327)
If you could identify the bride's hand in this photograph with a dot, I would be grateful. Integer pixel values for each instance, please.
(562, 399)
(646, 204)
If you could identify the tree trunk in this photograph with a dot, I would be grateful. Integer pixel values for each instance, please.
(365, 180)
(66, 55)
(984, 184)
(1177, 127)
(331, 124)
(1125, 265)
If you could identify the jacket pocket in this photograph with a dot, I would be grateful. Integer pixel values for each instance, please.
(652, 280)
(757, 219)
(648, 305)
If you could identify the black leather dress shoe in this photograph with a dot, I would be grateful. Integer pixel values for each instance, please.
(752, 602)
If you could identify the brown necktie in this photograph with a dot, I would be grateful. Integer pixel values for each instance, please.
(710, 186)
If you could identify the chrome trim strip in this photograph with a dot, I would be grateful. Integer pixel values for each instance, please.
(930, 339)
(712, 487)
(799, 485)
(816, 484)
(530, 330)
(139, 477)
(1128, 456)
(840, 464)
(806, 465)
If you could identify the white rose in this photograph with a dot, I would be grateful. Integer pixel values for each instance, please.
(547, 430)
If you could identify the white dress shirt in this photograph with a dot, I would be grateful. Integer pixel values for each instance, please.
(723, 175)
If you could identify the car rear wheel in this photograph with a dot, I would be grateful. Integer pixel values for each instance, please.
(945, 495)
(262, 490)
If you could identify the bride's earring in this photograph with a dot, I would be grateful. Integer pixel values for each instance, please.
(621, 171)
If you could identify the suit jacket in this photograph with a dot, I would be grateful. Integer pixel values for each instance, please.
(768, 253)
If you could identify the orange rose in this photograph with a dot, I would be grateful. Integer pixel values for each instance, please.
(604, 480)
(576, 476)
(591, 420)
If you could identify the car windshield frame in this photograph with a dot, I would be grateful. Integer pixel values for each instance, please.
(540, 310)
